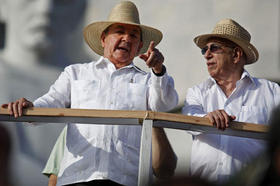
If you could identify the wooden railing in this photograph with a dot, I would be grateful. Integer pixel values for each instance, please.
(147, 119)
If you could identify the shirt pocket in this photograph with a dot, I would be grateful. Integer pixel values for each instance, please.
(253, 114)
(136, 96)
(84, 93)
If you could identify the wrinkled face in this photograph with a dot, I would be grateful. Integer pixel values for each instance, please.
(219, 58)
(38, 24)
(121, 43)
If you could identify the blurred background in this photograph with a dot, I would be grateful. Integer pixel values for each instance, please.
(39, 38)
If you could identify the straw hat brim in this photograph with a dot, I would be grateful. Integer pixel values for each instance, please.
(93, 32)
(250, 51)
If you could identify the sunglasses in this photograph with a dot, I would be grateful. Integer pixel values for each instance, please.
(213, 48)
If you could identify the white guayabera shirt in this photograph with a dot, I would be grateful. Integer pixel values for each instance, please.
(216, 157)
(106, 151)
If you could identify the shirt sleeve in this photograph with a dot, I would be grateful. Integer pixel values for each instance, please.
(53, 163)
(162, 95)
(277, 94)
(193, 103)
(59, 94)
(193, 106)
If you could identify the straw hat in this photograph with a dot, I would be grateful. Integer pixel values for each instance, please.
(231, 30)
(126, 13)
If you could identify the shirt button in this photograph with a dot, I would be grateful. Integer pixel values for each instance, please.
(220, 163)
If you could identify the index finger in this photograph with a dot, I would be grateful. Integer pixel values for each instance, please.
(226, 116)
(151, 46)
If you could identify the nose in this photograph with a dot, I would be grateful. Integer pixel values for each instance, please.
(126, 37)
(208, 54)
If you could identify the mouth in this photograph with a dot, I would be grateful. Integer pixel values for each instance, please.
(122, 48)
(210, 63)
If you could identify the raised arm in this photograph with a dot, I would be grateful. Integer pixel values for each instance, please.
(162, 95)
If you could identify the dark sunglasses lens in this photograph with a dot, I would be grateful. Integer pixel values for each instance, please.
(214, 48)
(203, 50)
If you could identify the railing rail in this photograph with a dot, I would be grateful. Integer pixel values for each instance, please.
(148, 119)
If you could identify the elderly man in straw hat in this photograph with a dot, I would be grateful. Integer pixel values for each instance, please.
(104, 154)
(230, 93)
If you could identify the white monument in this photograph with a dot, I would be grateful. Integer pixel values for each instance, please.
(35, 51)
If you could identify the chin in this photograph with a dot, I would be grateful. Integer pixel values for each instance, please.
(211, 73)
(122, 59)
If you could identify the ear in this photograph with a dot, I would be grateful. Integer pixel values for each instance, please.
(103, 36)
(237, 54)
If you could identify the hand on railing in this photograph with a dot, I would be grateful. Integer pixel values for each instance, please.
(220, 119)
(15, 108)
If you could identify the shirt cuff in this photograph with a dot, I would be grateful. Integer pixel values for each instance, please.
(162, 72)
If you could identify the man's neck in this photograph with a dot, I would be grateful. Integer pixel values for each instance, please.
(228, 84)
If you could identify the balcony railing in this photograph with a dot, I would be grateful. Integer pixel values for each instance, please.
(147, 119)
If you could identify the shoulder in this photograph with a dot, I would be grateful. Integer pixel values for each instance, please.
(203, 86)
(268, 88)
(78, 70)
(200, 89)
(74, 68)
(259, 82)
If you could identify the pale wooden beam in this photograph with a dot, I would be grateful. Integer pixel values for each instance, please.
(134, 117)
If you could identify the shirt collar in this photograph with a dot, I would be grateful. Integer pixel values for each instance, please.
(102, 61)
(106, 62)
(245, 75)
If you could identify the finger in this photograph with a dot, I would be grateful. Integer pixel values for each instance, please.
(226, 117)
(216, 121)
(149, 61)
(150, 49)
(10, 108)
(211, 118)
(20, 106)
(151, 46)
(220, 120)
(15, 105)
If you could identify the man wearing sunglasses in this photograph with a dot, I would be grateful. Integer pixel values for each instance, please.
(230, 93)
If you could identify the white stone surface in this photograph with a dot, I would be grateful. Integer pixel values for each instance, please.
(37, 48)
